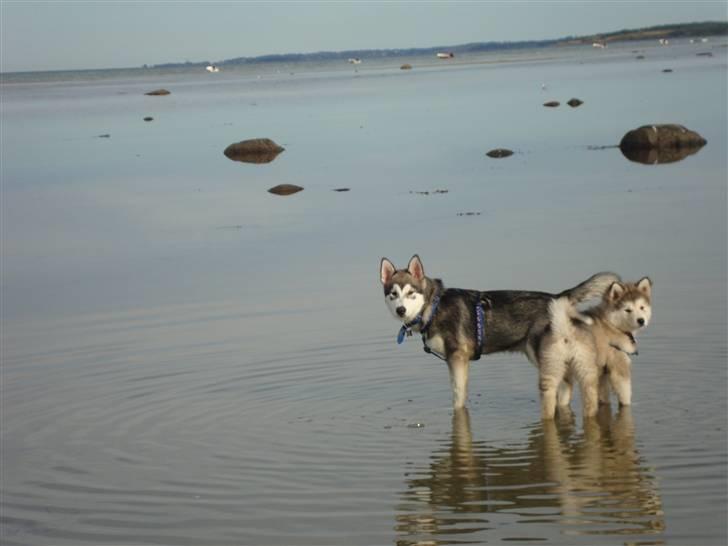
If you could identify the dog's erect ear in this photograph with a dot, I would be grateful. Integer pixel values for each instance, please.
(386, 270)
(415, 268)
(616, 291)
(645, 286)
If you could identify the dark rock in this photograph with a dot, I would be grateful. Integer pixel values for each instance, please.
(575, 102)
(256, 150)
(704, 54)
(406, 67)
(285, 189)
(341, 189)
(551, 104)
(434, 192)
(667, 70)
(499, 152)
(665, 143)
(640, 57)
(106, 135)
(149, 118)
(158, 92)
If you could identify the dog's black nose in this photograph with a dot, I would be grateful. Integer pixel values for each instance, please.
(401, 311)
(641, 321)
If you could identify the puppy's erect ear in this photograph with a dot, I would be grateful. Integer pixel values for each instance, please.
(386, 270)
(415, 268)
(616, 291)
(645, 286)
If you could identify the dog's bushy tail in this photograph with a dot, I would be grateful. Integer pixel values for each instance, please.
(593, 287)
(561, 315)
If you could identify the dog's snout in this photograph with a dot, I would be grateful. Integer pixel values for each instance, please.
(401, 311)
(641, 321)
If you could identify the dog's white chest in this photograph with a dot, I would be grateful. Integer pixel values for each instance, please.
(436, 344)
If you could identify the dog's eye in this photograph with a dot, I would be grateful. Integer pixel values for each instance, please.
(642, 308)
(628, 310)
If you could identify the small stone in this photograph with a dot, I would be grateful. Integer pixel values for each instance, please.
(416, 425)
(499, 152)
(341, 189)
(406, 67)
(551, 104)
(158, 92)
(149, 118)
(575, 102)
(285, 189)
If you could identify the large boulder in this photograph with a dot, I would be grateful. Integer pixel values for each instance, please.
(665, 143)
(256, 150)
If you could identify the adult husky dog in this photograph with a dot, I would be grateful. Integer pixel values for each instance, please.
(591, 346)
(459, 325)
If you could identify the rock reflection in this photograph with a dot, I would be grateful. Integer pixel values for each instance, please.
(656, 156)
(558, 482)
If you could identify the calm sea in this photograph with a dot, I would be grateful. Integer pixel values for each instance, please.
(188, 359)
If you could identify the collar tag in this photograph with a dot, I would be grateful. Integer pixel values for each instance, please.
(403, 331)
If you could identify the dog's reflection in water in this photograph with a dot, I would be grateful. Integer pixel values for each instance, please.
(558, 482)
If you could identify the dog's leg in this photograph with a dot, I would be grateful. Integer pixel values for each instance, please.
(458, 365)
(589, 384)
(563, 396)
(620, 377)
(604, 388)
(550, 375)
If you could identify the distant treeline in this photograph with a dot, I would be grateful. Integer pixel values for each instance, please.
(684, 30)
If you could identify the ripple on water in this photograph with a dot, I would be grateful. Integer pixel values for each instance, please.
(136, 437)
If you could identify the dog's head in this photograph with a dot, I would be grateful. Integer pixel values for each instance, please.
(404, 289)
(629, 305)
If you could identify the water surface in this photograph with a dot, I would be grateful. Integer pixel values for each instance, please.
(189, 359)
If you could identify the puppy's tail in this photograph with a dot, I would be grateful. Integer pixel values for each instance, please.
(594, 287)
(561, 315)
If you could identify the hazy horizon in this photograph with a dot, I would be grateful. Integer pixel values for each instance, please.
(74, 35)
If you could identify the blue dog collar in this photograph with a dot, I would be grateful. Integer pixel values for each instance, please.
(406, 329)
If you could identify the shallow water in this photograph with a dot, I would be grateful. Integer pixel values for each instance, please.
(188, 359)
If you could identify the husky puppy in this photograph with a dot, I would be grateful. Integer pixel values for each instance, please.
(459, 325)
(628, 308)
(603, 335)
(570, 349)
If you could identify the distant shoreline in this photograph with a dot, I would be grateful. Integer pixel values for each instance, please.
(680, 30)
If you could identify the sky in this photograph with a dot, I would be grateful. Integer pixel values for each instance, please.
(65, 34)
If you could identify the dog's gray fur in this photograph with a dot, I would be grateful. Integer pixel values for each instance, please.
(510, 316)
